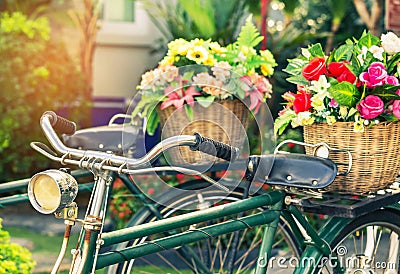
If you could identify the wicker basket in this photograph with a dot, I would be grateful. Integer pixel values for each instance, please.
(375, 154)
(225, 121)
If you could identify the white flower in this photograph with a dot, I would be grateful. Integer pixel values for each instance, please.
(377, 52)
(390, 43)
(362, 55)
(221, 70)
(302, 119)
(317, 102)
(203, 79)
(169, 73)
(321, 86)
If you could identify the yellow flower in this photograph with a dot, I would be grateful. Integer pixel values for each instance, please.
(330, 120)
(178, 47)
(267, 69)
(167, 60)
(267, 56)
(216, 48)
(198, 54)
(197, 42)
(358, 125)
(210, 61)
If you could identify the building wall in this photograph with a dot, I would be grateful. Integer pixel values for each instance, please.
(122, 55)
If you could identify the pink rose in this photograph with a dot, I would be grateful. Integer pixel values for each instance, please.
(375, 76)
(370, 107)
(392, 80)
(396, 108)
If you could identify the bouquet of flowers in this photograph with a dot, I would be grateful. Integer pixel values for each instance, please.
(204, 71)
(358, 82)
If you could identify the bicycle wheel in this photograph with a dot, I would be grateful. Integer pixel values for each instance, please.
(369, 244)
(213, 254)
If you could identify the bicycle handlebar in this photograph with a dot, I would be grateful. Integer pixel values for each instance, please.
(50, 121)
(60, 124)
(215, 148)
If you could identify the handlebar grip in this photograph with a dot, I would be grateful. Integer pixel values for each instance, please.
(60, 124)
(215, 148)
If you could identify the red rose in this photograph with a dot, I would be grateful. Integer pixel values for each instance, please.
(314, 69)
(347, 76)
(335, 69)
(302, 101)
(341, 72)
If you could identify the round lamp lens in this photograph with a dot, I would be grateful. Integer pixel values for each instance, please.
(47, 193)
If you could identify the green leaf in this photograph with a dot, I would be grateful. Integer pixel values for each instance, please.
(344, 52)
(368, 40)
(205, 102)
(345, 94)
(295, 66)
(392, 63)
(391, 118)
(189, 112)
(223, 10)
(339, 9)
(316, 50)
(387, 92)
(352, 111)
(368, 61)
(187, 75)
(298, 80)
(144, 102)
(290, 6)
(249, 35)
(202, 14)
(152, 122)
(283, 121)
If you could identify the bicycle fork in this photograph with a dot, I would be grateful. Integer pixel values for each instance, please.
(85, 254)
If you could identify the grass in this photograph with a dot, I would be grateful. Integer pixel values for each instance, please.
(50, 245)
(47, 244)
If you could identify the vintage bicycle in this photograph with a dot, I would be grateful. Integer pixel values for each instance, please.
(360, 236)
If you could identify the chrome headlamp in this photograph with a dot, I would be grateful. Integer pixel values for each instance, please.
(52, 190)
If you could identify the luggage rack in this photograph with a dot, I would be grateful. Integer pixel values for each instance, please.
(347, 205)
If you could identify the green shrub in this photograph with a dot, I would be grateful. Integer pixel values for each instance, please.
(36, 74)
(13, 258)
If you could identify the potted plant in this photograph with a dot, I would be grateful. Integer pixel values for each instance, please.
(199, 80)
(350, 99)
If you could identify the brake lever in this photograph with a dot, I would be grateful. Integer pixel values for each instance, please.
(45, 151)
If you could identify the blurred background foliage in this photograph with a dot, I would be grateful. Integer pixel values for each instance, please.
(37, 73)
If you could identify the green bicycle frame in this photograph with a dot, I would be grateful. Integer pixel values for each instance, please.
(269, 216)
(317, 247)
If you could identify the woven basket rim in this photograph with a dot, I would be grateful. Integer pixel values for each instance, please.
(375, 153)
(384, 123)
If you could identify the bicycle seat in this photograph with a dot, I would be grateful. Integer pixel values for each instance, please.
(294, 170)
(114, 138)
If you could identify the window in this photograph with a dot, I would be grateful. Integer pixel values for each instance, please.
(118, 10)
(124, 22)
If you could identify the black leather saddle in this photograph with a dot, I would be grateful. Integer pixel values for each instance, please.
(293, 170)
(115, 138)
